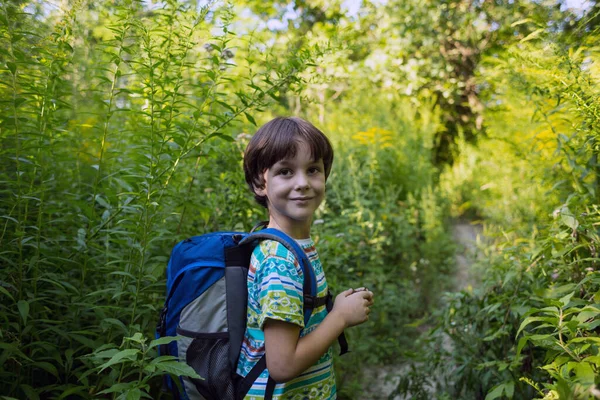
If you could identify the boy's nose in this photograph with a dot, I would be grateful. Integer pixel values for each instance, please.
(301, 182)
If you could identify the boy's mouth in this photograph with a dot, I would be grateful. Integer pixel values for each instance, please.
(301, 198)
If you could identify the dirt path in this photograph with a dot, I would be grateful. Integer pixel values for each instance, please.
(466, 236)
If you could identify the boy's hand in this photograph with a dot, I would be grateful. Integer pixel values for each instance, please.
(352, 306)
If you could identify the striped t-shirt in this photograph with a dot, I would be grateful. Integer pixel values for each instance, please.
(275, 291)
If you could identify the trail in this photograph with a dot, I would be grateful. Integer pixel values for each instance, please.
(465, 234)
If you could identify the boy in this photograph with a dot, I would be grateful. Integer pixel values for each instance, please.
(286, 165)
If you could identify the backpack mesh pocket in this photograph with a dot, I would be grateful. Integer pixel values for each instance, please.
(208, 355)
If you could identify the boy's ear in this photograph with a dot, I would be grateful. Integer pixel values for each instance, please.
(260, 191)
(260, 187)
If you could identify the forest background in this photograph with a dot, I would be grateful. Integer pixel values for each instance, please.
(122, 126)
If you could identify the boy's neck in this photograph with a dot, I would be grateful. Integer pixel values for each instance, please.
(296, 232)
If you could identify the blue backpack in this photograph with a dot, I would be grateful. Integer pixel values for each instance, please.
(206, 307)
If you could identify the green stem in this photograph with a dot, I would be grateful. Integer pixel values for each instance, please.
(186, 47)
(560, 338)
(19, 231)
(115, 76)
(190, 186)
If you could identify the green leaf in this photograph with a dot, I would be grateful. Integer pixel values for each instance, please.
(105, 353)
(114, 322)
(521, 344)
(495, 393)
(559, 291)
(592, 360)
(30, 392)
(587, 313)
(163, 340)
(220, 135)
(23, 310)
(19, 100)
(102, 201)
(553, 310)
(83, 340)
(46, 366)
(12, 67)
(81, 391)
(544, 340)
(123, 273)
(566, 299)
(5, 292)
(69, 356)
(560, 361)
(584, 374)
(529, 320)
(509, 389)
(151, 367)
(137, 338)
(567, 218)
(177, 368)
(250, 118)
(588, 339)
(118, 388)
(161, 359)
(520, 22)
(564, 388)
(11, 348)
(533, 35)
(123, 355)
(132, 394)
(226, 105)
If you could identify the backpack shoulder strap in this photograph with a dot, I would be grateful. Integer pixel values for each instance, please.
(309, 286)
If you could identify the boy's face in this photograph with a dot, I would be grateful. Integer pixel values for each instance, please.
(294, 187)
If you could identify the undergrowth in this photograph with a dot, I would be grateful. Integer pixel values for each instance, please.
(530, 330)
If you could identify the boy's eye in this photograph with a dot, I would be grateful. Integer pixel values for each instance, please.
(314, 170)
(285, 172)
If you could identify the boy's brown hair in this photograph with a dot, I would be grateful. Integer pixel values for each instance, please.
(277, 140)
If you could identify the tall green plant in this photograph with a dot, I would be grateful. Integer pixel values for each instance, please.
(106, 131)
(530, 330)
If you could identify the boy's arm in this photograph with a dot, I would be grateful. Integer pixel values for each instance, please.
(288, 355)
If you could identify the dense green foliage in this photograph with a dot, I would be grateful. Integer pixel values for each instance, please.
(530, 330)
(122, 127)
